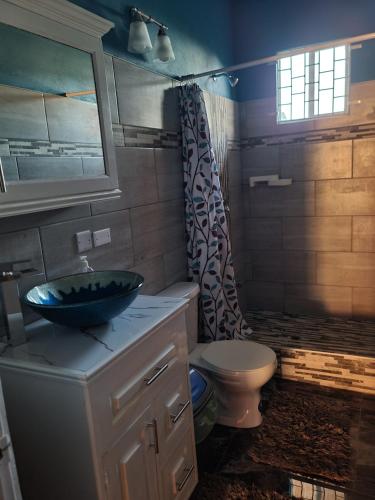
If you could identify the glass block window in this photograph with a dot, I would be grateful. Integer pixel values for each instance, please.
(313, 84)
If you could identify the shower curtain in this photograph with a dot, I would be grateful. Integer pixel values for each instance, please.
(208, 246)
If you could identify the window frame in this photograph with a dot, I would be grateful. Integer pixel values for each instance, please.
(312, 99)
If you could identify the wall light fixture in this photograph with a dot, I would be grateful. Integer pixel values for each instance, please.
(139, 39)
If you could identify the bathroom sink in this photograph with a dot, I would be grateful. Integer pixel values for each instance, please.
(86, 299)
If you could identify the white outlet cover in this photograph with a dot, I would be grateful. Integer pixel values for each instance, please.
(102, 237)
(84, 241)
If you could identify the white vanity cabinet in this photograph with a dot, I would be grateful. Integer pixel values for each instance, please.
(104, 413)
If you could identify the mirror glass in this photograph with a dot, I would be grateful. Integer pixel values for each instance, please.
(49, 120)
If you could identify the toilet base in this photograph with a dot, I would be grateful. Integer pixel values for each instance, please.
(239, 409)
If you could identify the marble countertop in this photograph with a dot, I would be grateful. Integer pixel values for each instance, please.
(79, 353)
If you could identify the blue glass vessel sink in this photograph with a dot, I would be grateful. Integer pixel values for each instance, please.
(86, 299)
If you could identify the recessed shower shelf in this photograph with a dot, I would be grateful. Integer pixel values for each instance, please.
(269, 180)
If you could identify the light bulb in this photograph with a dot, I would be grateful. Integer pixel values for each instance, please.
(163, 47)
(139, 39)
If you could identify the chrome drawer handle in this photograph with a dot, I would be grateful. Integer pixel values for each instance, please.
(151, 380)
(177, 417)
(154, 425)
(184, 481)
(3, 186)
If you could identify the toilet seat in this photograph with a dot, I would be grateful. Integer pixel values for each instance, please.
(237, 356)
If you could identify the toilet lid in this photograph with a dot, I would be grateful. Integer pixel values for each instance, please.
(238, 355)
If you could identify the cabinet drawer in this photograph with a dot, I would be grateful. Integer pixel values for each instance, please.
(174, 412)
(137, 375)
(179, 475)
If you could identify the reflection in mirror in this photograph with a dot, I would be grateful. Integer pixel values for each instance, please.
(49, 121)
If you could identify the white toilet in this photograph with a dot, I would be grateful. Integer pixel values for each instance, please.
(237, 368)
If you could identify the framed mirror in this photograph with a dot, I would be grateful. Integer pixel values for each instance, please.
(55, 130)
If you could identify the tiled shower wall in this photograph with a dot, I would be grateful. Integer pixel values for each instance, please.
(147, 222)
(310, 246)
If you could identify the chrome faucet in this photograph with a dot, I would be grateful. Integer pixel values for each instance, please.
(10, 272)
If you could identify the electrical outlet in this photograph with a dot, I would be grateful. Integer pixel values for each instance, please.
(84, 241)
(102, 237)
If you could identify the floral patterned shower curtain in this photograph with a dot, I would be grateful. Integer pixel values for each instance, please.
(208, 245)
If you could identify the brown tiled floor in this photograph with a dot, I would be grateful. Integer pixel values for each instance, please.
(224, 456)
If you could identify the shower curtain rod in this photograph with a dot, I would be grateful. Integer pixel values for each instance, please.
(265, 60)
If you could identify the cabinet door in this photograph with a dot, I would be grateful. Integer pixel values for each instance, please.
(174, 411)
(9, 487)
(179, 474)
(130, 466)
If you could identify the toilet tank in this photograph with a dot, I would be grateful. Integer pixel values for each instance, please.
(189, 291)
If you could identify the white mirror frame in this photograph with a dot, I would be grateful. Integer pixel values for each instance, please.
(67, 23)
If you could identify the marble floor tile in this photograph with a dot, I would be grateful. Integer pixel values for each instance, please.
(227, 470)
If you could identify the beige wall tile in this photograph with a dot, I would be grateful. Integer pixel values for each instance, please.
(169, 174)
(345, 197)
(34, 167)
(234, 169)
(153, 273)
(175, 265)
(137, 180)
(364, 234)
(263, 233)
(318, 233)
(315, 299)
(346, 269)
(37, 219)
(237, 237)
(150, 218)
(22, 114)
(279, 266)
(262, 160)
(293, 200)
(258, 116)
(364, 302)
(144, 98)
(265, 296)
(236, 205)
(22, 245)
(60, 251)
(299, 267)
(267, 266)
(324, 160)
(148, 245)
(364, 158)
(72, 120)
(361, 108)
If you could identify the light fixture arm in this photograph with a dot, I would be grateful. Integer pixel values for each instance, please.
(147, 18)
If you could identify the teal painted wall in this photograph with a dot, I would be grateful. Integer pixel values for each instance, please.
(201, 34)
(265, 27)
(208, 35)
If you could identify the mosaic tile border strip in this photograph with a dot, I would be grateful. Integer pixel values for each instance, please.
(339, 134)
(331, 352)
(234, 144)
(22, 147)
(339, 371)
(142, 137)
